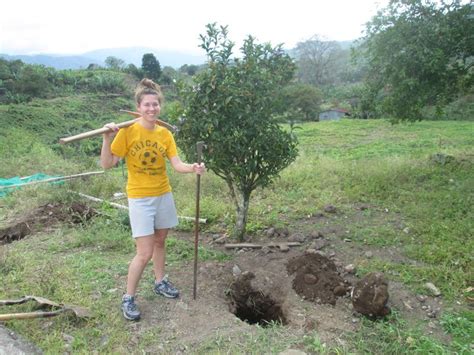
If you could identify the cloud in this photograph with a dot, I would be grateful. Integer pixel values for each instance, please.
(50, 26)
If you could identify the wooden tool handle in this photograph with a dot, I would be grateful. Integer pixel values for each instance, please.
(158, 121)
(95, 132)
(99, 131)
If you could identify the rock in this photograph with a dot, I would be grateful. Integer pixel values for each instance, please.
(284, 247)
(368, 254)
(316, 235)
(68, 338)
(433, 289)
(421, 298)
(220, 241)
(270, 232)
(13, 343)
(297, 237)
(370, 295)
(319, 244)
(329, 209)
(236, 270)
(292, 352)
(282, 232)
(340, 290)
(350, 269)
(266, 250)
(310, 279)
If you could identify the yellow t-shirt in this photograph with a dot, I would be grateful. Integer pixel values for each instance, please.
(145, 152)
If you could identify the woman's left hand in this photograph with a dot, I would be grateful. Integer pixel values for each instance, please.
(199, 168)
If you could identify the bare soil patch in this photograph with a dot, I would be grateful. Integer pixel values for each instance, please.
(304, 288)
(44, 218)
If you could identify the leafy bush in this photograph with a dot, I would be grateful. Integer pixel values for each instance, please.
(21, 82)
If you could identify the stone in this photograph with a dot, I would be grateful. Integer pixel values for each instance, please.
(316, 235)
(421, 298)
(236, 270)
(319, 244)
(310, 279)
(270, 232)
(292, 352)
(340, 290)
(350, 269)
(433, 289)
(329, 209)
(297, 237)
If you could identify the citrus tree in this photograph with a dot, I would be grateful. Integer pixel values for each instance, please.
(230, 107)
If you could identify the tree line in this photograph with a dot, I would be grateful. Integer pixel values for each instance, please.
(414, 60)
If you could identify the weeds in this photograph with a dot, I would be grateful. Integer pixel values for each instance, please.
(429, 221)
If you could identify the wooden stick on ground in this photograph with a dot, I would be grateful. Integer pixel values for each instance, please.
(258, 246)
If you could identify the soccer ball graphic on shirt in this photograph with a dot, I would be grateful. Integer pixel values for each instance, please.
(148, 157)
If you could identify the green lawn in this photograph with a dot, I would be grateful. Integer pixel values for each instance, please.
(392, 167)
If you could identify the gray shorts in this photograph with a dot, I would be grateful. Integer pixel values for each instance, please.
(150, 213)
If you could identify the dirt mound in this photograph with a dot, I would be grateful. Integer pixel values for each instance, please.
(45, 217)
(316, 278)
(370, 295)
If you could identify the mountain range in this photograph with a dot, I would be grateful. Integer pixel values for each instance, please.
(130, 55)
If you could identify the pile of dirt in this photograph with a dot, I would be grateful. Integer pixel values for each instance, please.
(370, 295)
(316, 278)
(44, 217)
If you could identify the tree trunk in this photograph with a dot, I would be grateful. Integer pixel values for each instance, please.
(242, 213)
(242, 201)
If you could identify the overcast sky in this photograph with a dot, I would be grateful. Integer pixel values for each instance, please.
(75, 27)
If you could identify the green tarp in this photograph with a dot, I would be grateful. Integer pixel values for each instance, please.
(5, 183)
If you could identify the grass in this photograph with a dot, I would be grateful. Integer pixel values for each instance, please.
(341, 163)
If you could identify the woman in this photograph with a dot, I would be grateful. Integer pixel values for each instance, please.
(145, 146)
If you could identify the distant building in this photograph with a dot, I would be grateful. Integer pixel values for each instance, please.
(333, 114)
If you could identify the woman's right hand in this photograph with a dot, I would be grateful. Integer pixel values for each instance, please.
(112, 130)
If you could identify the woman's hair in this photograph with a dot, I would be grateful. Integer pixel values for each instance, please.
(148, 87)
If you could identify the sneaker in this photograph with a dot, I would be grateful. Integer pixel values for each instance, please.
(129, 308)
(166, 288)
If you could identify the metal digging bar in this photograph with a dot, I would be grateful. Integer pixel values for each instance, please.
(199, 146)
